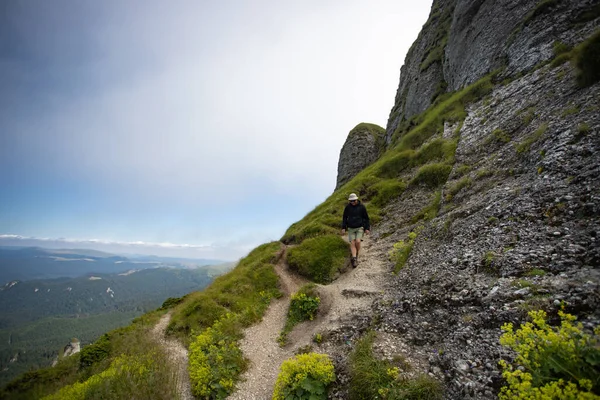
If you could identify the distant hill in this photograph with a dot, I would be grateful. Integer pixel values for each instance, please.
(39, 317)
(27, 263)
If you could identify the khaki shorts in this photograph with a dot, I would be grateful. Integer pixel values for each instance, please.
(355, 233)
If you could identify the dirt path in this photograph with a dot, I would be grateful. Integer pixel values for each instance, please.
(354, 290)
(178, 357)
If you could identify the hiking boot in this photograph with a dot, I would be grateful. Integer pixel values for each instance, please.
(354, 262)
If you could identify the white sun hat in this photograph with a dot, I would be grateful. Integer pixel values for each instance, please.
(352, 197)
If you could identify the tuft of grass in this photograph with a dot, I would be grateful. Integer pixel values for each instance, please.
(488, 264)
(541, 8)
(535, 272)
(525, 145)
(372, 378)
(394, 166)
(387, 191)
(462, 170)
(319, 259)
(465, 182)
(432, 175)
(483, 173)
(559, 48)
(569, 111)
(401, 251)
(430, 211)
(588, 61)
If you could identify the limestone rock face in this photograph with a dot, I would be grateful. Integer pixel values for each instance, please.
(464, 40)
(362, 147)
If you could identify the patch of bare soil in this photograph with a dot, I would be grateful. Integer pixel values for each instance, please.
(177, 355)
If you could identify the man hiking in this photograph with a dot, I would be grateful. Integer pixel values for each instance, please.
(356, 220)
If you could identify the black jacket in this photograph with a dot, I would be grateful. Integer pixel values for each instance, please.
(355, 217)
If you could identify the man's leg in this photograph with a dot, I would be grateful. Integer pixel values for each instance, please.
(353, 248)
(357, 245)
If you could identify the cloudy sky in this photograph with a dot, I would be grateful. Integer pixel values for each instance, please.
(190, 128)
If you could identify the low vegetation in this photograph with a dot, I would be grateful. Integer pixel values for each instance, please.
(372, 378)
(430, 211)
(244, 291)
(401, 251)
(109, 364)
(319, 259)
(551, 362)
(306, 376)
(588, 61)
(304, 305)
(525, 145)
(453, 190)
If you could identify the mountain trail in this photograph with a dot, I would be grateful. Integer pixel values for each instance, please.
(354, 290)
(177, 355)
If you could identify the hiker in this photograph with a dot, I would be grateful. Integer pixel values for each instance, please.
(356, 220)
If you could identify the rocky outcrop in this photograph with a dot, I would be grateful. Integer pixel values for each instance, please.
(521, 234)
(464, 40)
(362, 147)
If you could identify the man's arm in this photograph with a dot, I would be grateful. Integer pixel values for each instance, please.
(367, 223)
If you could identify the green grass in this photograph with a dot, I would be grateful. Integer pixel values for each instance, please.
(525, 145)
(432, 175)
(588, 61)
(570, 111)
(372, 378)
(535, 272)
(319, 259)
(450, 107)
(241, 291)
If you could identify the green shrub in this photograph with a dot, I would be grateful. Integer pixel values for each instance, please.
(306, 376)
(95, 352)
(525, 145)
(304, 305)
(432, 175)
(487, 263)
(215, 359)
(588, 61)
(171, 302)
(371, 378)
(320, 258)
(552, 362)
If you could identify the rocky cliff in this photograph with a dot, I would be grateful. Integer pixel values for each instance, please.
(463, 40)
(363, 145)
(508, 219)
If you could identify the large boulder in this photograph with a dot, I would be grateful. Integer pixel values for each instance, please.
(362, 147)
